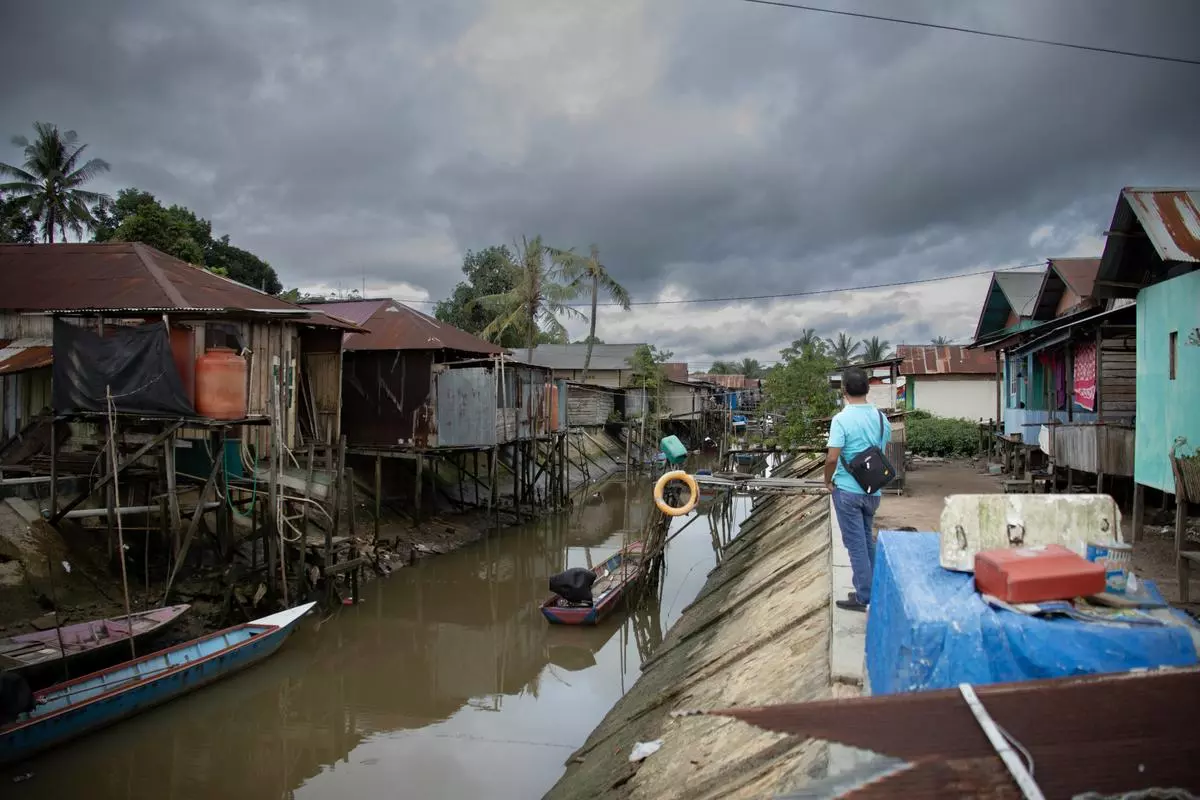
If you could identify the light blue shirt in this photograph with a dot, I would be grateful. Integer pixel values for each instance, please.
(854, 429)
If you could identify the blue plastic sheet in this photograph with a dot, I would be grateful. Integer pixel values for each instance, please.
(929, 629)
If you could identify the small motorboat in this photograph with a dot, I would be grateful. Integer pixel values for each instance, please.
(71, 709)
(613, 578)
(84, 646)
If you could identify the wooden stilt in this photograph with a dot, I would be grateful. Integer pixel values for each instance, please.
(420, 480)
(53, 467)
(1139, 510)
(517, 478)
(378, 494)
(1182, 563)
(348, 491)
(1100, 483)
(335, 485)
(172, 490)
(494, 479)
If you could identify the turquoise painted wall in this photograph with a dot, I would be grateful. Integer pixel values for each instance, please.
(1166, 408)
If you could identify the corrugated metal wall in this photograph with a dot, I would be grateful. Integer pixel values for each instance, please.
(466, 411)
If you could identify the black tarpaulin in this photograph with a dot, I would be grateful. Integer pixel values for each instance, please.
(134, 363)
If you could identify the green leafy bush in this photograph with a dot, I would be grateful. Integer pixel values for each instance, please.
(927, 435)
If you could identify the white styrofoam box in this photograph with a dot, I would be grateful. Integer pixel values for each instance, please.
(975, 522)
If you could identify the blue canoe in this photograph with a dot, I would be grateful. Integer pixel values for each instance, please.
(67, 710)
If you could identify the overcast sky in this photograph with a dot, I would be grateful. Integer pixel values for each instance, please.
(710, 148)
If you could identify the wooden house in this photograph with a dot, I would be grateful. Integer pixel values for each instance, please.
(291, 352)
(1153, 255)
(1066, 371)
(589, 405)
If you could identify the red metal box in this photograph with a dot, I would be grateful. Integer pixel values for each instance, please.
(1034, 574)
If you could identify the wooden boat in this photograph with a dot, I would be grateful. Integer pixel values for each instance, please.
(38, 657)
(68, 710)
(622, 570)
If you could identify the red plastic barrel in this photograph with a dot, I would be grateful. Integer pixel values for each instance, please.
(221, 384)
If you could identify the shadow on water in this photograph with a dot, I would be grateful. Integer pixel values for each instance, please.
(444, 682)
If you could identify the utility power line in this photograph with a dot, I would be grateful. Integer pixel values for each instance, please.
(977, 32)
(786, 295)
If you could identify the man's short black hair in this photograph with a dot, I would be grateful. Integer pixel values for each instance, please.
(855, 383)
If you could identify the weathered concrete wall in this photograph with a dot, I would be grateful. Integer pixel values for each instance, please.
(758, 633)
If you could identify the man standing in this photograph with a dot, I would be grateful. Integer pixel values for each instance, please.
(857, 427)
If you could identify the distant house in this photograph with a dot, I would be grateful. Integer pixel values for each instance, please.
(883, 378)
(949, 380)
(740, 392)
(611, 364)
(1009, 304)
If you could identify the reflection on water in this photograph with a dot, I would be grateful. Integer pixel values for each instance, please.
(444, 682)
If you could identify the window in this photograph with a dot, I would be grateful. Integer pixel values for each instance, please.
(1171, 353)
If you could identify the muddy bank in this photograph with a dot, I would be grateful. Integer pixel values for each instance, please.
(757, 633)
(34, 583)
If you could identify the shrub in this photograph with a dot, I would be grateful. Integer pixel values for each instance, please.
(928, 435)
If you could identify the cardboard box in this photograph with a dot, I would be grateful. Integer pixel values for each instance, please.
(1034, 574)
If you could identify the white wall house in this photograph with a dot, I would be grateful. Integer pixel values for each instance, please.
(949, 381)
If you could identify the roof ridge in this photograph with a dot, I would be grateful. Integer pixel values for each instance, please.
(159, 277)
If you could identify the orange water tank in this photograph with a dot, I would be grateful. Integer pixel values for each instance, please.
(552, 401)
(221, 384)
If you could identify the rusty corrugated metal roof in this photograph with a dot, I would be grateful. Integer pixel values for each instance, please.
(18, 355)
(391, 325)
(126, 277)
(932, 359)
(1171, 220)
(675, 370)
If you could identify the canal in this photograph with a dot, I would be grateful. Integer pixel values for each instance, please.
(444, 682)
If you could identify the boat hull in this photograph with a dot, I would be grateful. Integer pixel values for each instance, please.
(23, 740)
(597, 612)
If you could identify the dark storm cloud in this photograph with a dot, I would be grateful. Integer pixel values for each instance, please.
(715, 146)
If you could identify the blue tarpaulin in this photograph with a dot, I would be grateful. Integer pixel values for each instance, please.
(929, 629)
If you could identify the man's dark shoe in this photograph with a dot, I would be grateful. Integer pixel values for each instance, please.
(851, 604)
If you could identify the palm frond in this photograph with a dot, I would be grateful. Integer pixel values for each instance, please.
(16, 172)
(85, 173)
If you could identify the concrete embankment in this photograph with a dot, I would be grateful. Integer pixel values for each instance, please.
(759, 632)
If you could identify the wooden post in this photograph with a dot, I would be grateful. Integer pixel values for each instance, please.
(417, 488)
(494, 478)
(1139, 510)
(172, 490)
(460, 465)
(109, 493)
(1182, 564)
(517, 478)
(378, 493)
(348, 482)
(53, 466)
(475, 472)
(335, 487)
(1100, 483)
(1070, 480)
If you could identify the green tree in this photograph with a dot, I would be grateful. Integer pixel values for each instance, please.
(723, 368)
(876, 349)
(843, 349)
(490, 272)
(16, 224)
(589, 340)
(535, 302)
(587, 270)
(941, 340)
(48, 184)
(798, 389)
(646, 366)
(138, 216)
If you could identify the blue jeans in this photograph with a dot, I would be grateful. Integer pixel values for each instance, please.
(856, 518)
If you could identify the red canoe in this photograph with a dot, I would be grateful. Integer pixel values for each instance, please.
(622, 570)
(33, 655)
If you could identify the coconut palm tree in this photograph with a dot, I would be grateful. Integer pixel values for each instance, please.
(581, 269)
(48, 184)
(723, 368)
(843, 349)
(941, 340)
(750, 368)
(876, 349)
(536, 300)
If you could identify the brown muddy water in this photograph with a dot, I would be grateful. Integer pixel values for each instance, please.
(444, 682)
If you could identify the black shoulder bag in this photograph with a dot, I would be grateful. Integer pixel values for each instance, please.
(871, 467)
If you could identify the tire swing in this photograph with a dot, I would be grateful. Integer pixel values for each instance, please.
(661, 485)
